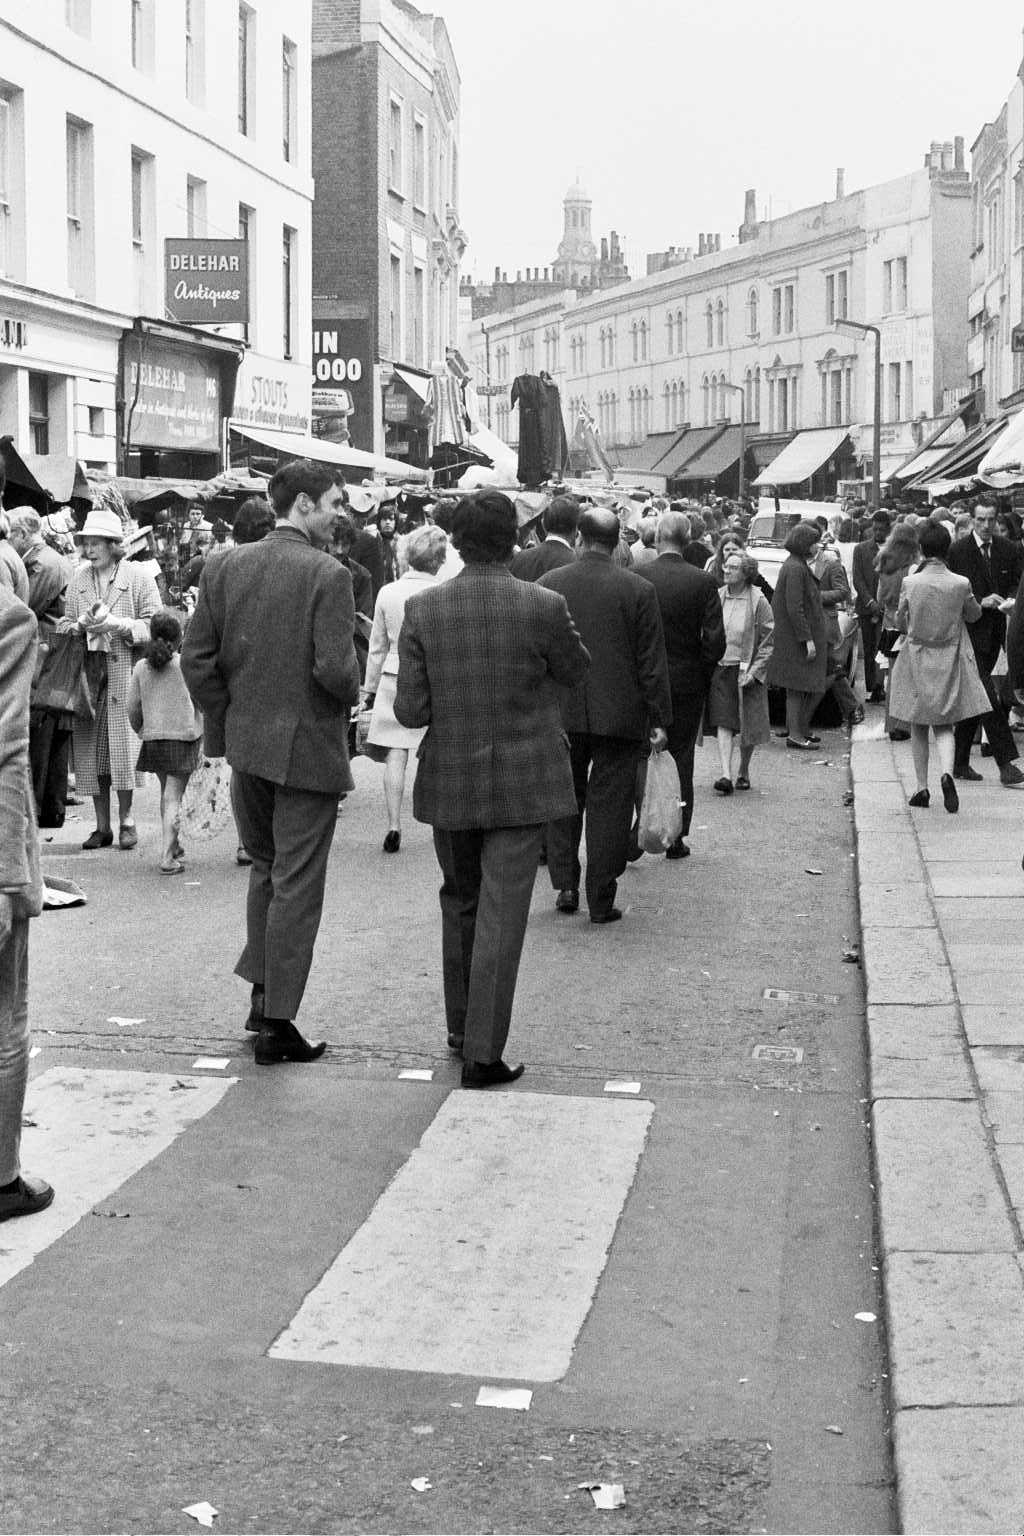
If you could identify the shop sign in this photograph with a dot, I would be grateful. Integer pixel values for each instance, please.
(207, 281)
(13, 334)
(270, 392)
(342, 366)
(1017, 339)
(172, 398)
(396, 406)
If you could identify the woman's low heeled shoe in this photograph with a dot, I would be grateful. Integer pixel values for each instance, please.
(921, 800)
(950, 798)
(99, 839)
(392, 842)
(723, 785)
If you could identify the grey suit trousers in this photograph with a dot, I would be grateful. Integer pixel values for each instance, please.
(287, 833)
(14, 1045)
(485, 905)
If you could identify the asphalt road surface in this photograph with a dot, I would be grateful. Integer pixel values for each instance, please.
(281, 1290)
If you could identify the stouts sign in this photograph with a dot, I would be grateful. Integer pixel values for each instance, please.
(207, 281)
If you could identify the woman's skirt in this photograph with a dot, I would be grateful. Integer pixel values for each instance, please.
(176, 758)
(385, 730)
(937, 684)
(723, 707)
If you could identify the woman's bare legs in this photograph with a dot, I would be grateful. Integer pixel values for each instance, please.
(726, 740)
(919, 752)
(395, 765)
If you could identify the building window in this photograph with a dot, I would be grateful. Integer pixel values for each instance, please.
(395, 129)
(894, 285)
(246, 218)
(670, 332)
(895, 392)
(143, 25)
(706, 392)
(908, 391)
(789, 309)
(419, 162)
(643, 341)
(246, 43)
(78, 16)
(419, 310)
(720, 323)
(636, 345)
(836, 386)
(138, 199)
(39, 412)
(842, 295)
(79, 206)
(709, 324)
(195, 207)
(748, 394)
(195, 51)
(289, 98)
(830, 298)
(776, 311)
(395, 307)
(8, 197)
(288, 275)
(752, 312)
(97, 421)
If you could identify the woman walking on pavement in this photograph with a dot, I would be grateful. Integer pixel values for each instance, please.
(800, 655)
(894, 562)
(935, 679)
(111, 601)
(162, 713)
(738, 697)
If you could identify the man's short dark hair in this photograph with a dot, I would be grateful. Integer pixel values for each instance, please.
(934, 541)
(485, 528)
(599, 526)
(443, 513)
(302, 475)
(345, 531)
(562, 516)
(253, 520)
(882, 518)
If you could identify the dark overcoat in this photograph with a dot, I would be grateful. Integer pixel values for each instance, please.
(533, 563)
(691, 617)
(479, 661)
(799, 617)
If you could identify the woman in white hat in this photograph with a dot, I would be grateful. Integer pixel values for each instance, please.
(111, 601)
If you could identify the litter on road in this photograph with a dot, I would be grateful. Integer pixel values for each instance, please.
(416, 1075)
(421, 1484)
(122, 1022)
(518, 1398)
(203, 1514)
(605, 1495)
(619, 1087)
(211, 1063)
(865, 1317)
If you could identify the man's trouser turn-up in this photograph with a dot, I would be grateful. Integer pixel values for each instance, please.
(604, 778)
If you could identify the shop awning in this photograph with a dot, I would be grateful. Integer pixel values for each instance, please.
(642, 457)
(961, 461)
(419, 383)
(1003, 462)
(61, 477)
(805, 454)
(764, 449)
(686, 447)
(342, 454)
(714, 459)
(922, 460)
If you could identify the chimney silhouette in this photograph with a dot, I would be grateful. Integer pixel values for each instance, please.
(840, 182)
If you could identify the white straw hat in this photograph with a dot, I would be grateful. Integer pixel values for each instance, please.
(101, 523)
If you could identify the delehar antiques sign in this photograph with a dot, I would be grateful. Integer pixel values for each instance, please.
(207, 281)
(172, 398)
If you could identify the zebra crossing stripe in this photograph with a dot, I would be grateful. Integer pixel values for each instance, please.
(482, 1256)
(86, 1133)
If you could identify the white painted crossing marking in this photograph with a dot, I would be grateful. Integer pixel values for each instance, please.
(91, 1132)
(482, 1256)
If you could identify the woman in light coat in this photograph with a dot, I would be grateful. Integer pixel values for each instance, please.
(935, 680)
(425, 550)
(738, 696)
(111, 601)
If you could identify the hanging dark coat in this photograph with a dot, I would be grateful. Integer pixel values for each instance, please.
(529, 394)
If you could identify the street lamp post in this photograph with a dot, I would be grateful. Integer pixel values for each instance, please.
(858, 328)
(737, 389)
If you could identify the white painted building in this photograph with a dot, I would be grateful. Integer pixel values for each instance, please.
(996, 302)
(653, 354)
(124, 123)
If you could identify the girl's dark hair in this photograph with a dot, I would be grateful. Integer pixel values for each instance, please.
(165, 639)
(935, 541)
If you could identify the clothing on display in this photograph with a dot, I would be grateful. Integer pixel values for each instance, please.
(543, 450)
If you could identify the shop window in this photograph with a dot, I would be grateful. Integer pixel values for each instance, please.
(195, 51)
(289, 99)
(39, 412)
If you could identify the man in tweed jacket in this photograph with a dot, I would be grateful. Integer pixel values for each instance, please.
(479, 658)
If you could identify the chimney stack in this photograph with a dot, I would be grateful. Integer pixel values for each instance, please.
(497, 274)
(958, 152)
(947, 155)
(545, 274)
(840, 182)
(604, 248)
(700, 245)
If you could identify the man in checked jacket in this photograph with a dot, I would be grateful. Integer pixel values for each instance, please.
(479, 658)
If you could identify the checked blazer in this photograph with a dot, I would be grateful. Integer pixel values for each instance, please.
(479, 658)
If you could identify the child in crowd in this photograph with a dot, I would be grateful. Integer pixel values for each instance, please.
(162, 713)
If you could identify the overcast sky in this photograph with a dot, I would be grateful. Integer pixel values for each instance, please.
(670, 109)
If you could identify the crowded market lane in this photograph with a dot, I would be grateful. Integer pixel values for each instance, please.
(299, 1287)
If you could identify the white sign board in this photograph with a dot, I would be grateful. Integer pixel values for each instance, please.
(270, 392)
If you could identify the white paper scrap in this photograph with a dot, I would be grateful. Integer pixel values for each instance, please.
(123, 1023)
(203, 1514)
(606, 1495)
(518, 1398)
(620, 1087)
(865, 1317)
(34, 1050)
(421, 1484)
(211, 1063)
(417, 1075)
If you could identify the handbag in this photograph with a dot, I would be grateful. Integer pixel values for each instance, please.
(206, 802)
(62, 684)
(362, 716)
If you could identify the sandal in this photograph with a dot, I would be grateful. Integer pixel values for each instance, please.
(174, 867)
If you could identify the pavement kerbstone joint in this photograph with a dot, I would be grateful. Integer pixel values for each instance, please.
(946, 1039)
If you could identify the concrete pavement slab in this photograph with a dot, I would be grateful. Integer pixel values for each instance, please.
(963, 848)
(943, 1077)
(905, 904)
(982, 908)
(917, 1033)
(956, 1329)
(976, 879)
(960, 1470)
(1011, 1160)
(986, 956)
(906, 966)
(996, 1024)
(872, 761)
(885, 857)
(1005, 1115)
(1000, 1068)
(939, 1192)
(1006, 932)
(1004, 986)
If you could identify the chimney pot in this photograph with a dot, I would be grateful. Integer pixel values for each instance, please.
(947, 156)
(545, 274)
(840, 181)
(497, 274)
(958, 152)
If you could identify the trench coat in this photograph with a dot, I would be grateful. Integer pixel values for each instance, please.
(799, 617)
(935, 678)
(133, 596)
(755, 655)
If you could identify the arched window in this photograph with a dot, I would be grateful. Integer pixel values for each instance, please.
(706, 388)
(679, 330)
(748, 394)
(714, 397)
(720, 315)
(647, 409)
(670, 332)
(757, 394)
(681, 409)
(643, 341)
(613, 416)
(752, 312)
(669, 412)
(636, 352)
(611, 348)
(709, 320)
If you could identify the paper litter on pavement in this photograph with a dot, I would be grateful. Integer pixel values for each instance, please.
(211, 1063)
(621, 1087)
(421, 1484)
(417, 1075)
(606, 1495)
(504, 1397)
(203, 1514)
(122, 1022)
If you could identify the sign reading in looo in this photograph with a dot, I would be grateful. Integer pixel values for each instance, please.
(341, 365)
(207, 281)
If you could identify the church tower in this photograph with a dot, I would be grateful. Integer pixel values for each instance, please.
(576, 263)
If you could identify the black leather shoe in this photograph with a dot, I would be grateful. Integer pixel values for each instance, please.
(392, 841)
(489, 1074)
(856, 716)
(609, 915)
(950, 798)
(920, 800)
(969, 775)
(723, 786)
(254, 1023)
(567, 901)
(455, 1043)
(281, 1041)
(99, 839)
(800, 746)
(678, 850)
(23, 1197)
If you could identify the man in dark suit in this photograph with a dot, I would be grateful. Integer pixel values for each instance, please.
(560, 521)
(367, 549)
(479, 657)
(624, 697)
(994, 567)
(269, 659)
(691, 617)
(869, 613)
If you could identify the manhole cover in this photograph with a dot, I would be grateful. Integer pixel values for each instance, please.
(793, 1054)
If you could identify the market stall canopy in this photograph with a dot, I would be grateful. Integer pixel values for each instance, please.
(417, 381)
(1003, 463)
(714, 458)
(960, 463)
(324, 452)
(61, 477)
(150, 494)
(923, 459)
(803, 456)
(690, 442)
(644, 456)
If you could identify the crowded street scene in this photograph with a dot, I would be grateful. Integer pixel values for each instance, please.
(511, 771)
